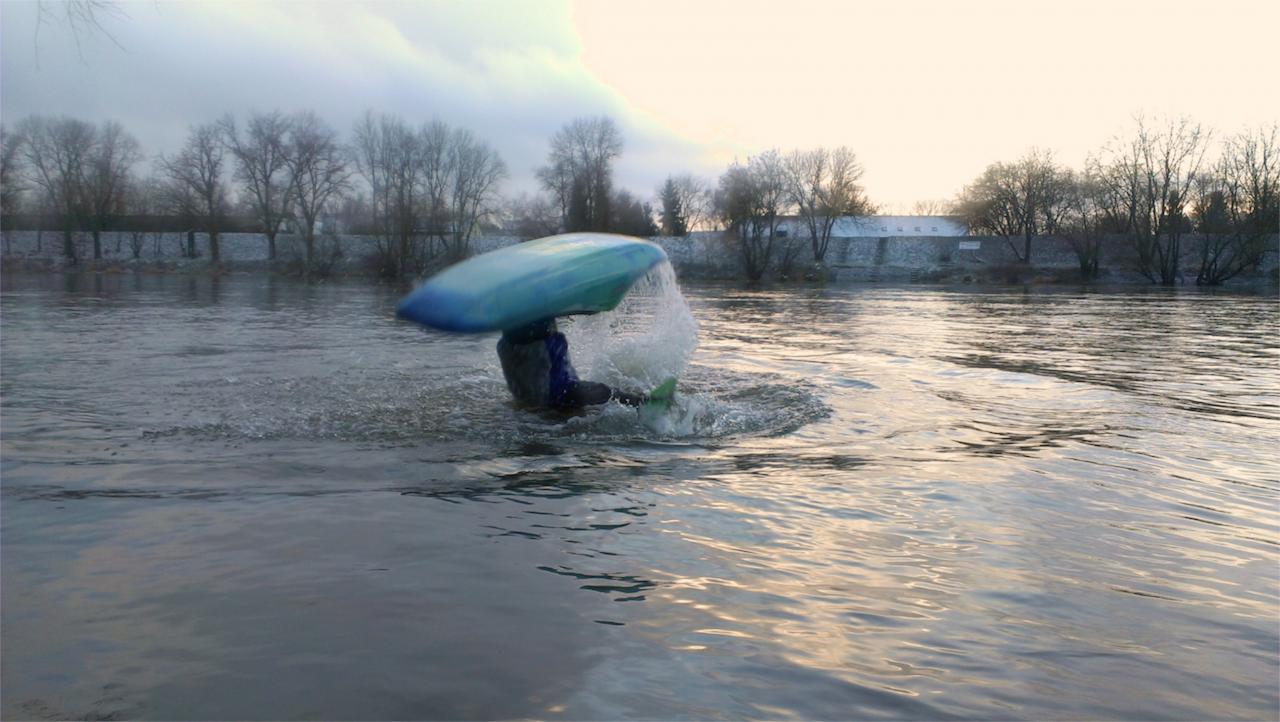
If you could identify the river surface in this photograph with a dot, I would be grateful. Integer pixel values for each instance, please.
(252, 498)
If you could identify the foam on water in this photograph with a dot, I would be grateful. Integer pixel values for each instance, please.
(698, 415)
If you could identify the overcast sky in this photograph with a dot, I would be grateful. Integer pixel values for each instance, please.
(927, 93)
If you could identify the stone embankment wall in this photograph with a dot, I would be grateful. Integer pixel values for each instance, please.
(933, 258)
(710, 255)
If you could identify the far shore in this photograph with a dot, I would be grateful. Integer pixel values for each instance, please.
(888, 277)
(698, 256)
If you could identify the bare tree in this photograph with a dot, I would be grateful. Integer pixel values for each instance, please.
(44, 209)
(476, 172)
(697, 200)
(107, 178)
(261, 168)
(750, 199)
(11, 185)
(142, 201)
(355, 214)
(557, 179)
(177, 200)
(1238, 206)
(789, 249)
(196, 174)
(318, 170)
(1057, 188)
(1088, 219)
(989, 204)
(579, 171)
(388, 155)
(771, 183)
(823, 185)
(370, 151)
(1025, 198)
(533, 216)
(438, 167)
(432, 184)
(933, 207)
(1151, 176)
(56, 155)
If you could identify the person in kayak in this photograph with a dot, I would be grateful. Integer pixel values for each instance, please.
(535, 362)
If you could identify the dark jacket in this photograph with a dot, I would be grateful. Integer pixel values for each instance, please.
(535, 362)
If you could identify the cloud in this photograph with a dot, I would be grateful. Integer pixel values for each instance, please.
(511, 72)
(927, 93)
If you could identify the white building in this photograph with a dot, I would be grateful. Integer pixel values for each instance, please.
(883, 226)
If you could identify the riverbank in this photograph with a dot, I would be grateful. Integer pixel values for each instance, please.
(709, 256)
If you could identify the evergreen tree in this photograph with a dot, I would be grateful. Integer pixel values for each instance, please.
(650, 228)
(631, 217)
(674, 221)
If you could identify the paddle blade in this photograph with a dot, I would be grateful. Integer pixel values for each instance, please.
(662, 394)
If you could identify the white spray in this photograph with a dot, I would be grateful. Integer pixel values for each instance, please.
(648, 338)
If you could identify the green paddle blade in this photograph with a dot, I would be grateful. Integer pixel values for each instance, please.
(660, 397)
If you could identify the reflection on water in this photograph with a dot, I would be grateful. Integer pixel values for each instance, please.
(252, 498)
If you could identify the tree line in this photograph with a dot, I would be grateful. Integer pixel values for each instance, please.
(422, 190)
(818, 186)
(1164, 189)
(749, 202)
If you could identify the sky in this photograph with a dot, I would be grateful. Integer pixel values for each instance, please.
(926, 93)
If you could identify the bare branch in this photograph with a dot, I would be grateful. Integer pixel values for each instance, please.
(83, 17)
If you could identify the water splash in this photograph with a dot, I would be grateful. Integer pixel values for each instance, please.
(648, 338)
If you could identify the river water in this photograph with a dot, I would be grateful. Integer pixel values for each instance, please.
(248, 497)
